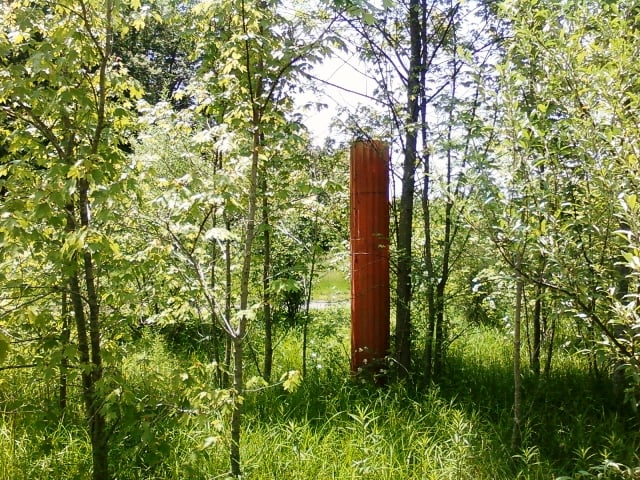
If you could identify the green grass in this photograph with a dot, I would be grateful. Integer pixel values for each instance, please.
(332, 286)
(331, 427)
(333, 283)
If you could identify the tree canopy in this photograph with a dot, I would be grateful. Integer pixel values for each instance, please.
(156, 174)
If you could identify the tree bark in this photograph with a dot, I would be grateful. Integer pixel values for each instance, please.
(228, 280)
(236, 416)
(99, 444)
(215, 333)
(312, 271)
(427, 375)
(438, 357)
(89, 347)
(551, 333)
(404, 234)
(436, 328)
(440, 332)
(537, 332)
(516, 434)
(238, 374)
(65, 337)
(266, 285)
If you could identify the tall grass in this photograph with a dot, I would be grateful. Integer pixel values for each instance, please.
(572, 423)
(34, 442)
(331, 427)
(379, 435)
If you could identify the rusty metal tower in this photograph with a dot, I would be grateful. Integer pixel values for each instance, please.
(370, 300)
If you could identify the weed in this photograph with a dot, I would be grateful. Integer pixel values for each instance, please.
(169, 420)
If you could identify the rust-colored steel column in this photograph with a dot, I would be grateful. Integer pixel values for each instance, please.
(369, 255)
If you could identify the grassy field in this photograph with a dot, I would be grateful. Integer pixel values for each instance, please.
(331, 427)
(332, 286)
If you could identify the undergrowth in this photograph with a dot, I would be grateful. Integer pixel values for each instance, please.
(331, 427)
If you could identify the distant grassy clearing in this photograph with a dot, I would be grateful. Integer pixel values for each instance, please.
(331, 286)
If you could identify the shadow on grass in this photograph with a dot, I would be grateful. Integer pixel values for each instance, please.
(571, 424)
(572, 420)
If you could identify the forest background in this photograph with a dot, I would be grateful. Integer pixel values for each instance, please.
(169, 228)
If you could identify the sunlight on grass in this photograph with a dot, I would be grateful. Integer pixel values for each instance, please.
(332, 286)
(332, 427)
(377, 434)
(8, 452)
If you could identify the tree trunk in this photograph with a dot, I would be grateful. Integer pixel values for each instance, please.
(312, 270)
(93, 399)
(238, 375)
(90, 375)
(516, 434)
(429, 337)
(404, 292)
(236, 416)
(436, 331)
(537, 332)
(430, 272)
(228, 350)
(266, 285)
(89, 346)
(97, 421)
(449, 233)
(438, 357)
(215, 334)
(440, 332)
(65, 337)
(551, 332)
(219, 252)
(623, 272)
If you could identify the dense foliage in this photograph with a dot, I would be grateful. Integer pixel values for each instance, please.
(170, 234)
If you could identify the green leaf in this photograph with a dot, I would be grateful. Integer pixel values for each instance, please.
(291, 380)
(73, 243)
(281, 285)
(631, 201)
(218, 233)
(209, 442)
(256, 383)
(4, 347)
(148, 435)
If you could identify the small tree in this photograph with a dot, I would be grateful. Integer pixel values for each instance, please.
(249, 55)
(68, 103)
(570, 147)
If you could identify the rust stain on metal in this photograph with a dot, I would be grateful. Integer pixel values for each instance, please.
(369, 255)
